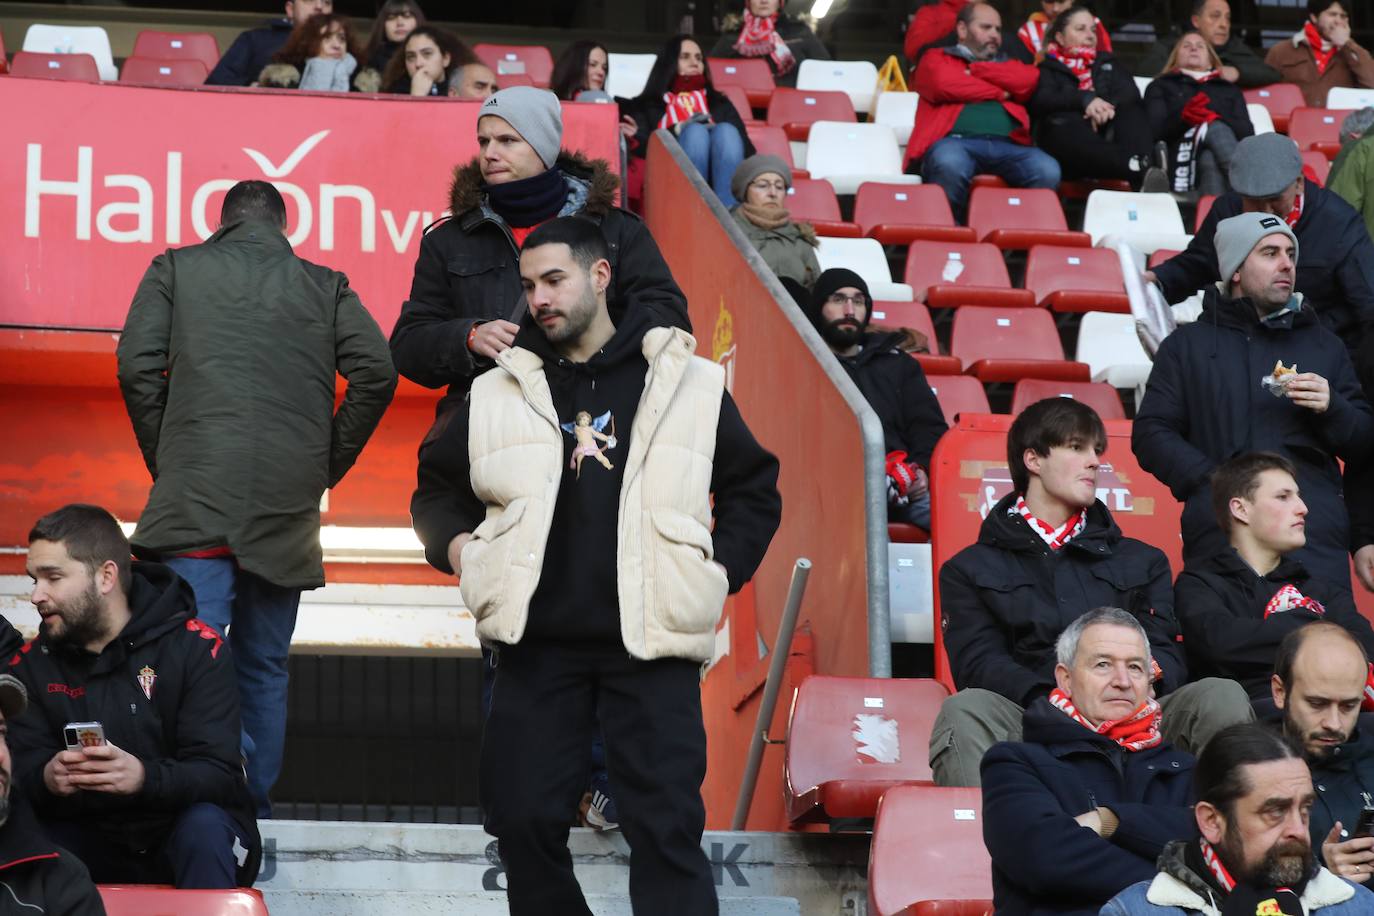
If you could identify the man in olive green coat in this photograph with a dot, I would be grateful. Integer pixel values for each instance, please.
(227, 365)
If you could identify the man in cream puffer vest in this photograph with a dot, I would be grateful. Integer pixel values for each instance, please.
(574, 498)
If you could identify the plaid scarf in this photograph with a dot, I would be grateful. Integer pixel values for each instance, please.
(1136, 732)
(759, 37)
(1289, 598)
(1322, 50)
(685, 100)
(1054, 537)
(1079, 60)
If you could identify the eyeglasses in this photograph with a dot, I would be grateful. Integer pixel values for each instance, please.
(855, 300)
(765, 185)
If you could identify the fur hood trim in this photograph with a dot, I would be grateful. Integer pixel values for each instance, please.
(466, 191)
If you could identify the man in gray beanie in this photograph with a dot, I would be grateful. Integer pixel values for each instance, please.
(1336, 277)
(1256, 372)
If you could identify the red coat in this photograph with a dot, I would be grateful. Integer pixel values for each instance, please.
(946, 82)
(931, 23)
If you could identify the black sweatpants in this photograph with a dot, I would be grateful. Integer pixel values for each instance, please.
(545, 706)
(1085, 153)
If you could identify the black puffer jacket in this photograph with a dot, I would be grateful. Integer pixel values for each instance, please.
(897, 390)
(647, 112)
(183, 726)
(38, 877)
(1043, 862)
(1167, 95)
(1204, 404)
(1335, 261)
(1220, 602)
(801, 41)
(1005, 600)
(251, 51)
(468, 271)
(1341, 782)
(1057, 92)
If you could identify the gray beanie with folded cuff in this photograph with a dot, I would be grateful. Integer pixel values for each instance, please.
(1237, 236)
(536, 116)
(753, 167)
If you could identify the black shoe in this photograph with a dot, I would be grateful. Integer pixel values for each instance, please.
(1156, 181)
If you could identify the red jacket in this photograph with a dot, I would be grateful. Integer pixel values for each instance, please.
(946, 82)
(929, 25)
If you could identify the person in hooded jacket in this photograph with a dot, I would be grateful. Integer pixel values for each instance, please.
(1236, 606)
(1322, 55)
(163, 799)
(465, 296)
(572, 495)
(1086, 107)
(1199, 114)
(1207, 398)
(1092, 783)
(892, 382)
(765, 30)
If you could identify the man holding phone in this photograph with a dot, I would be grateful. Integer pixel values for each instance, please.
(130, 752)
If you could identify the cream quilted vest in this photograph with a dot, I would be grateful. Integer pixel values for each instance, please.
(670, 591)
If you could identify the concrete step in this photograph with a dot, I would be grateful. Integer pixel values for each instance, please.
(420, 903)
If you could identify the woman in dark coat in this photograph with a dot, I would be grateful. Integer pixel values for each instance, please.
(1199, 115)
(766, 31)
(1086, 108)
(679, 96)
(425, 59)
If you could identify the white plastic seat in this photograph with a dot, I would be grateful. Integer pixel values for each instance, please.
(1260, 118)
(1108, 343)
(856, 78)
(847, 155)
(1346, 97)
(65, 39)
(898, 111)
(866, 258)
(1147, 221)
(1141, 83)
(626, 74)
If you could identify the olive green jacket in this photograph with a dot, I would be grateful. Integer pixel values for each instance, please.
(1352, 177)
(789, 250)
(227, 364)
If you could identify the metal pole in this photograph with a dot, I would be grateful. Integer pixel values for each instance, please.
(782, 646)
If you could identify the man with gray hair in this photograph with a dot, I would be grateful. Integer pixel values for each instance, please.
(1352, 174)
(1092, 780)
(1337, 272)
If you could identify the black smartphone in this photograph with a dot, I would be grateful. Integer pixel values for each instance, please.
(1365, 827)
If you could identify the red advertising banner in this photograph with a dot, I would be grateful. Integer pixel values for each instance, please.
(97, 179)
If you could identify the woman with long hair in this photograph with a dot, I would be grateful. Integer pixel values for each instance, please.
(320, 54)
(583, 67)
(422, 64)
(395, 21)
(1199, 115)
(764, 30)
(678, 95)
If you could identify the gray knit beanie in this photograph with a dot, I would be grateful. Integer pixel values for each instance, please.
(753, 167)
(1237, 237)
(1264, 165)
(534, 113)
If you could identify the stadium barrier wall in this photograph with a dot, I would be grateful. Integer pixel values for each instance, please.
(803, 407)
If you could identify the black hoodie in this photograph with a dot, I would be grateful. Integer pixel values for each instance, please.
(39, 876)
(897, 390)
(576, 599)
(1220, 603)
(165, 691)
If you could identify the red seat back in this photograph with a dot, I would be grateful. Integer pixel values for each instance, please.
(998, 333)
(1014, 208)
(76, 67)
(1051, 268)
(812, 199)
(1100, 396)
(959, 394)
(1204, 206)
(806, 106)
(186, 72)
(898, 214)
(1316, 128)
(533, 60)
(1279, 98)
(770, 140)
(928, 853)
(1318, 163)
(153, 900)
(912, 315)
(507, 80)
(954, 264)
(199, 46)
(752, 74)
(741, 102)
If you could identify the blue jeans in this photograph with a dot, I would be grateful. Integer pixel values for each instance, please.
(258, 618)
(716, 151)
(952, 162)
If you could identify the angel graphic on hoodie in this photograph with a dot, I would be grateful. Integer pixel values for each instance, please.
(586, 432)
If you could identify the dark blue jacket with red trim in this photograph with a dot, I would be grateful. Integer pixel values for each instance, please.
(39, 877)
(165, 691)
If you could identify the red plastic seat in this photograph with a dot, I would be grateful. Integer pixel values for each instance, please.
(928, 856)
(532, 60)
(988, 181)
(1318, 129)
(850, 739)
(916, 316)
(1318, 163)
(1080, 189)
(959, 394)
(1076, 279)
(1204, 206)
(899, 214)
(773, 141)
(199, 46)
(813, 200)
(1280, 99)
(752, 74)
(1100, 396)
(79, 68)
(902, 533)
(795, 110)
(1017, 218)
(951, 274)
(4, 64)
(1009, 344)
(507, 80)
(160, 900)
(1159, 256)
(153, 72)
(741, 102)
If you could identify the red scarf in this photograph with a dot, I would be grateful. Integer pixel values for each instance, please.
(759, 37)
(1136, 732)
(1296, 213)
(1079, 60)
(1054, 537)
(1322, 50)
(1289, 598)
(1032, 33)
(1224, 879)
(686, 99)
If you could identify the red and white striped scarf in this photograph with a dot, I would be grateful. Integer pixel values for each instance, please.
(1218, 870)
(684, 101)
(1289, 598)
(1032, 33)
(760, 36)
(1136, 732)
(1079, 60)
(1296, 213)
(1054, 537)
(1322, 50)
